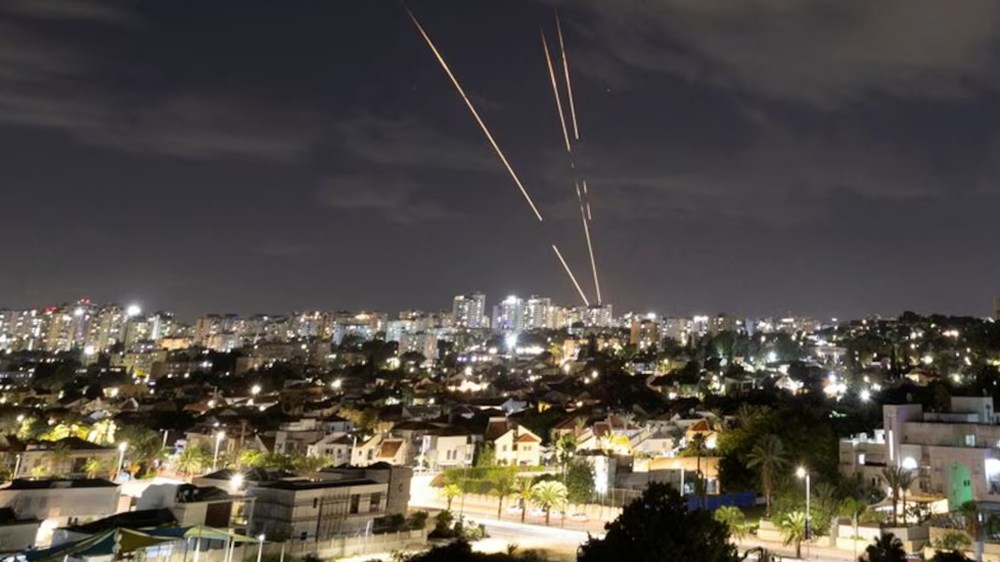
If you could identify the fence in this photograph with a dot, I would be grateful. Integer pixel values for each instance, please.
(337, 547)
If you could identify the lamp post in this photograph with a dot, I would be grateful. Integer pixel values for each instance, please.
(218, 441)
(801, 472)
(260, 546)
(121, 459)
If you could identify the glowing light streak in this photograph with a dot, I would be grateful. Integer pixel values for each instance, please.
(571, 276)
(475, 114)
(569, 82)
(555, 92)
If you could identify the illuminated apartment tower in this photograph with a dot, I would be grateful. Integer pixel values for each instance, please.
(508, 315)
(469, 311)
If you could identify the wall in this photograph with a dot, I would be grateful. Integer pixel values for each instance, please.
(334, 548)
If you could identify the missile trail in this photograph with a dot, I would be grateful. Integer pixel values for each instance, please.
(590, 246)
(475, 114)
(555, 92)
(570, 273)
(586, 198)
(569, 83)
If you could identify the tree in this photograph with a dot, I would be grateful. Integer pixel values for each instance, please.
(698, 444)
(853, 508)
(640, 533)
(503, 486)
(565, 449)
(886, 548)
(94, 468)
(898, 479)
(192, 460)
(973, 524)
(522, 491)
(769, 458)
(793, 528)
(734, 519)
(549, 494)
(145, 446)
(450, 492)
(579, 481)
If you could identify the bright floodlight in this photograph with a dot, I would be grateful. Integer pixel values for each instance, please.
(910, 463)
(236, 482)
(122, 446)
(800, 472)
(510, 340)
(260, 537)
(337, 383)
(133, 310)
(255, 389)
(89, 350)
(866, 395)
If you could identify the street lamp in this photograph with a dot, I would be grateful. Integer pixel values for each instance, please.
(121, 459)
(801, 472)
(236, 482)
(260, 546)
(218, 441)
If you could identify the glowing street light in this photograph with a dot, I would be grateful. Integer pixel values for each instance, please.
(218, 441)
(133, 310)
(801, 472)
(255, 390)
(865, 395)
(260, 546)
(121, 459)
(236, 482)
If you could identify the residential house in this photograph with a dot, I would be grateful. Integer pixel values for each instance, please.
(396, 478)
(59, 502)
(382, 448)
(954, 455)
(190, 505)
(316, 509)
(337, 447)
(63, 457)
(513, 444)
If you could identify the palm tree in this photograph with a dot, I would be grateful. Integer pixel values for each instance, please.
(145, 446)
(94, 467)
(549, 494)
(450, 492)
(973, 524)
(769, 457)
(886, 548)
(793, 528)
(853, 508)
(899, 480)
(503, 486)
(522, 491)
(192, 460)
(733, 518)
(565, 449)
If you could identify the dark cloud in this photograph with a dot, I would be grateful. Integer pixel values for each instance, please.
(386, 198)
(826, 52)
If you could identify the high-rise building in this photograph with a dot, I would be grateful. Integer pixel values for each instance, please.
(68, 326)
(596, 315)
(508, 315)
(538, 313)
(645, 332)
(469, 311)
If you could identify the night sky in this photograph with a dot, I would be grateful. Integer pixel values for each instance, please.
(768, 156)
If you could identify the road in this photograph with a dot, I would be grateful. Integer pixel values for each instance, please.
(562, 538)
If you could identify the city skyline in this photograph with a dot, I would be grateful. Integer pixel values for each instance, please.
(315, 156)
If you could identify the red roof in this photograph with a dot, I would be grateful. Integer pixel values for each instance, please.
(526, 438)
